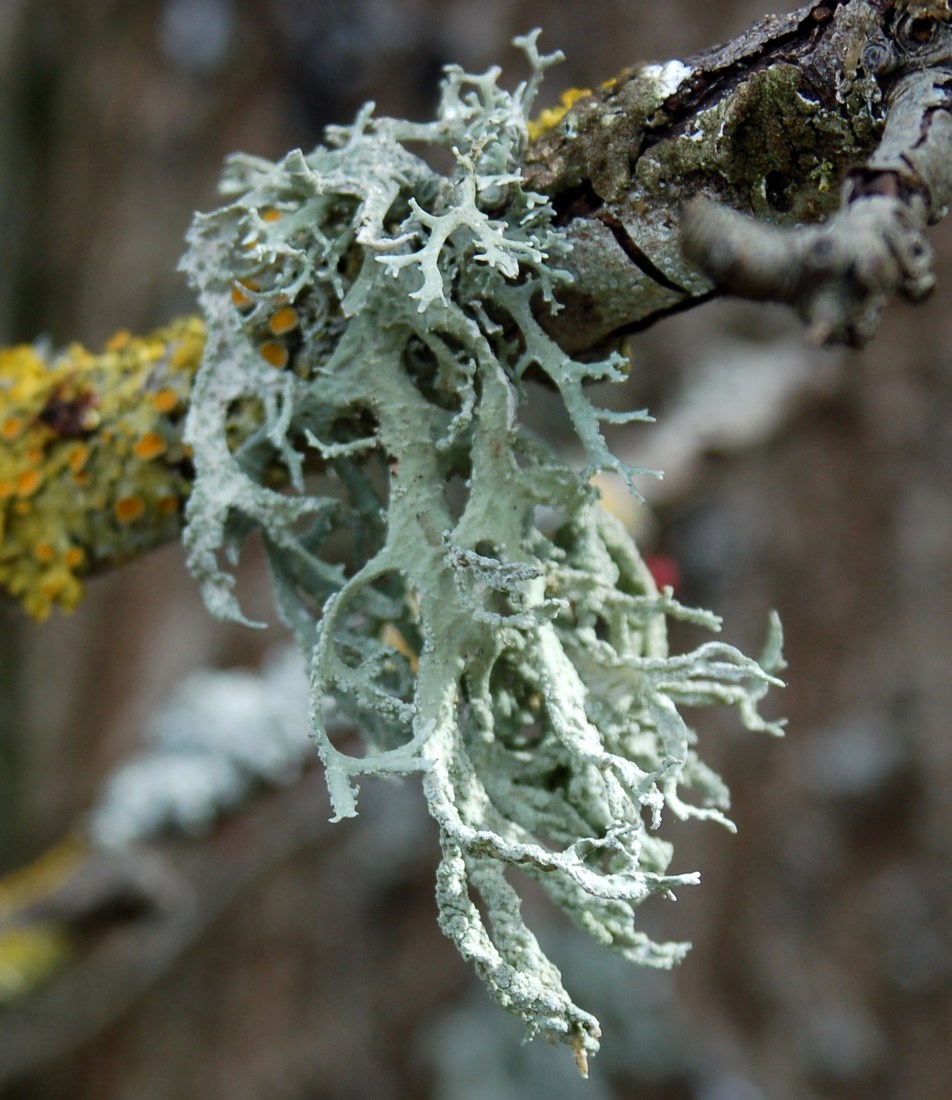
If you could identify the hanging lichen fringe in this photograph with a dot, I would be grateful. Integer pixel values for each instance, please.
(383, 317)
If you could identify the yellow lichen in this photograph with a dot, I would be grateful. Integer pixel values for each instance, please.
(91, 457)
(552, 116)
(32, 953)
(28, 957)
(118, 341)
(391, 636)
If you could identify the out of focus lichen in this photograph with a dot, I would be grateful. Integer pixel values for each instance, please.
(33, 952)
(93, 469)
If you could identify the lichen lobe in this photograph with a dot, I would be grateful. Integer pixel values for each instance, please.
(519, 665)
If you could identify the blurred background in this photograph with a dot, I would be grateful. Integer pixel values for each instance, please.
(818, 483)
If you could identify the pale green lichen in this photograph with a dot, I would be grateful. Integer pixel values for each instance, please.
(520, 666)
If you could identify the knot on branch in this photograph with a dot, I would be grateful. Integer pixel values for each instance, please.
(838, 276)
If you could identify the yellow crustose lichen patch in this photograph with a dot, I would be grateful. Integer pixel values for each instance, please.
(92, 466)
(552, 116)
(32, 953)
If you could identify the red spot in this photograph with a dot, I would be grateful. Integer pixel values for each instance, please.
(666, 571)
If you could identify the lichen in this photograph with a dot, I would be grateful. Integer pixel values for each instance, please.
(220, 735)
(495, 630)
(34, 952)
(93, 469)
(755, 148)
(552, 116)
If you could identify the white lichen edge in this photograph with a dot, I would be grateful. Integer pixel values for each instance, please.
(668, 77)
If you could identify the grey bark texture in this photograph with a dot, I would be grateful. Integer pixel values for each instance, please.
(764, 126)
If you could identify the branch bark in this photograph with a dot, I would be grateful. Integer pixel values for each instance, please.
(766, 126)
(839, 276)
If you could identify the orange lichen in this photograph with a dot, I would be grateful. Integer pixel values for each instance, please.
(67, 419)
(118, 340)
(77, 457)
(283, 320)
(242, 291)
(150, 446)
(13, 427)
(239, 299)
(129, 509)
(28, 482)
(271, 215)
(92, 466)
(274, 353)
(165, 401)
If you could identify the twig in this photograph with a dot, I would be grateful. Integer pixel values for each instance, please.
(839, 276)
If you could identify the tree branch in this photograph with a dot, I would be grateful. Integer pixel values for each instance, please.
(130, 915)
(839, 276)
